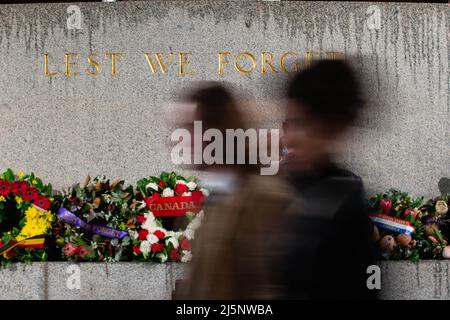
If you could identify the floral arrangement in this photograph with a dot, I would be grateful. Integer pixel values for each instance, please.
(25, 217)
(169, 195)
(171, 186)
(153, 242)
(103, 221)
(93, 220)
(404, 228)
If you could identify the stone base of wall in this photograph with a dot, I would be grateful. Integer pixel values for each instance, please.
(428, 279)
(59, 281)
(404, 280)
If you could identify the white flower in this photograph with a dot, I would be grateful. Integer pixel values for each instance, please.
(145, 247)
(173, 241)
(191, 185)
(189, 233)
(133, 234)
(150, 222)
(178, 234)
(152, 185)
(180, 182)
(186, 194)
(186, 256)
(162, 257)
(142, 205)
(205, 192)
(151, 238)
(170, 233)
(149, 215)
(167, 192)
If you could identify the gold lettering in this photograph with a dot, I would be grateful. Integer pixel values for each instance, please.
(239, 68)
(309, 56)
(163, 66)
(93, 63)
(183, 62)
(69, 63)
(283, 62)
(114, 56)
(222, 62)
(267, 60)
(46, 72)
(333, 55)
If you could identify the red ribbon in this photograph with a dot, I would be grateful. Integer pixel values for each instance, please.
(174, 206)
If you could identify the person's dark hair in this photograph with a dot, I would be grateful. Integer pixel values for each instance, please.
(217, 108)
(329, 88)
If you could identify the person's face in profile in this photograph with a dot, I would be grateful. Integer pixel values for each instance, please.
(308, 138)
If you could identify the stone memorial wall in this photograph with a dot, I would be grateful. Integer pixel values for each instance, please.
(86, 86)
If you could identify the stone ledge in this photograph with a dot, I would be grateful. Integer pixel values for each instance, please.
(57, 280)
(428, 279)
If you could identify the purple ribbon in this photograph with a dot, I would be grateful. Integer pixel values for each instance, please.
(72, 219)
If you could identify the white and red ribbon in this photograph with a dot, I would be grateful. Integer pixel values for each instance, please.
(392, 224)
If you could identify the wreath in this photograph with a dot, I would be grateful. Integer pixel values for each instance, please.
(25, 217)
(406, 229)
(93, 221)
(169, 195)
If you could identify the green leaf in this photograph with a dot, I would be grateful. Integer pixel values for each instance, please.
(9, 175)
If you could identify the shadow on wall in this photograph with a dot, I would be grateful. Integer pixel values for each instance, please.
(444, 185)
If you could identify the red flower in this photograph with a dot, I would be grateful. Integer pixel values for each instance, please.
(18, 186)
(70, 249)
(433, 239)
(181, 188)
(198, 195)
(5, 188)
(140, 219)
(143, 234)
(386, 205)
(157, 247)
(29, 193)
(162, 184)
(174, 255)
(42, 202)
(185, 244)
(83, 252)
(136, 250)
(159, 234)
(156, 195)
(410, 213)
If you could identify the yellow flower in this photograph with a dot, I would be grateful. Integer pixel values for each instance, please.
(37, 223)
(19, 200)
(2, 199)
(20, 174)
(34, 182)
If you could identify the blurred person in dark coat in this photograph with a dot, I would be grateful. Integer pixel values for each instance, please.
(326, 244)
(232, 251)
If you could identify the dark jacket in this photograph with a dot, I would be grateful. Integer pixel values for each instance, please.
(329, 245)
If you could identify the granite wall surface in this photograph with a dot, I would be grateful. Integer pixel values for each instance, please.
(64, 127)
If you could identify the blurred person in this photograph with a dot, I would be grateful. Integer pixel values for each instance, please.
(231, 259)
(329, 235)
